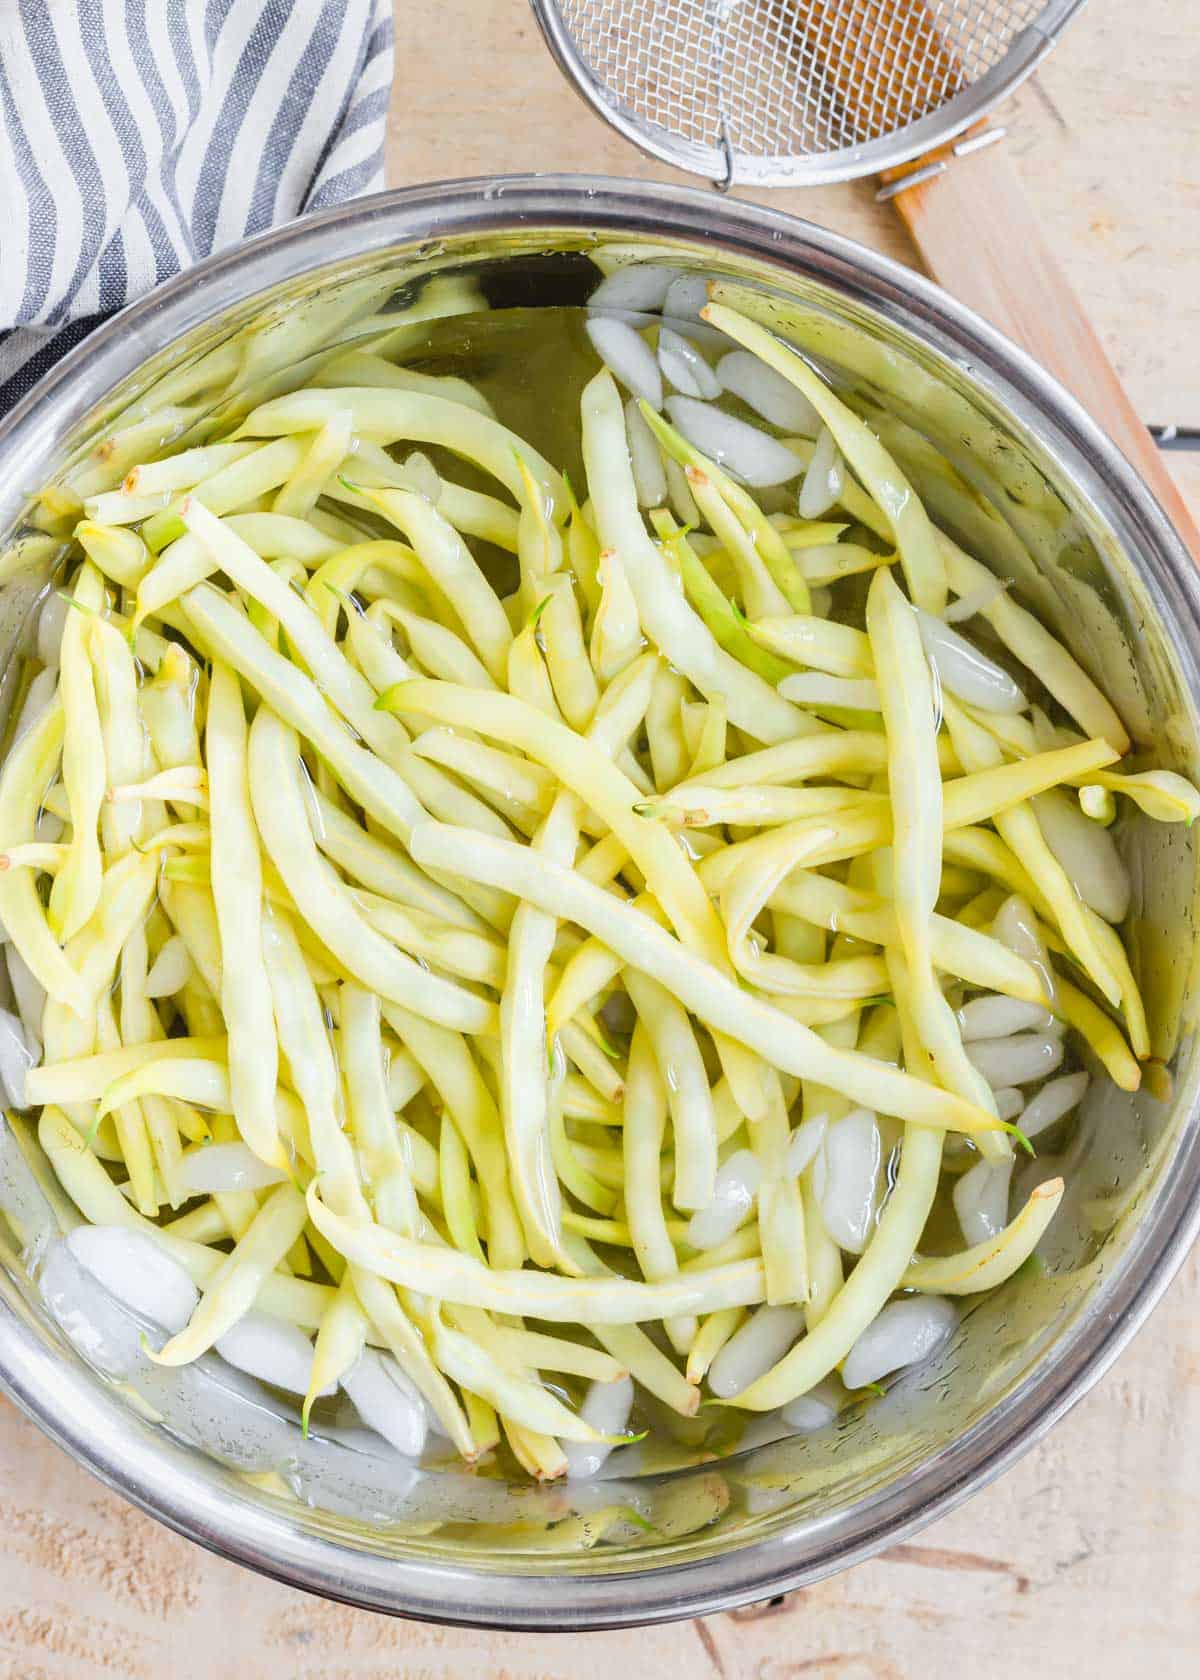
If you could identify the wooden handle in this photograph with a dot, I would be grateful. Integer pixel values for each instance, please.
(979, 238)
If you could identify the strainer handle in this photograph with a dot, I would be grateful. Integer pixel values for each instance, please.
(979, 238)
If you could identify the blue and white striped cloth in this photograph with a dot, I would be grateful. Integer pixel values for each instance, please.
(139, 135)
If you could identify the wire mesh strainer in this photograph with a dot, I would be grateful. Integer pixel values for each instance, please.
(792, 92)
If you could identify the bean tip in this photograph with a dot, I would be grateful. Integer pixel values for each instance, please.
(1046, 1189)
(1021, 1140)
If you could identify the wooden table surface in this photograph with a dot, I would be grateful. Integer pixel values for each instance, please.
(1082, 1559)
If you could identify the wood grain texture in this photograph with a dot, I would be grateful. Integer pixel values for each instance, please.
(1081, 1560)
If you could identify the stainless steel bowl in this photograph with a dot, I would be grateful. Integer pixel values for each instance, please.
(1010, 463)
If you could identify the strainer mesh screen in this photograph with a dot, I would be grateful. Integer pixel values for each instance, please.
(790, 77)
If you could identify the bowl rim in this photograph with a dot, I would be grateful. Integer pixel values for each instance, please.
(159, 1474)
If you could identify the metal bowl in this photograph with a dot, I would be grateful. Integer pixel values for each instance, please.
(1013, 467)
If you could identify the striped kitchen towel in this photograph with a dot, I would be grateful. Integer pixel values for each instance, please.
(139, 135)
